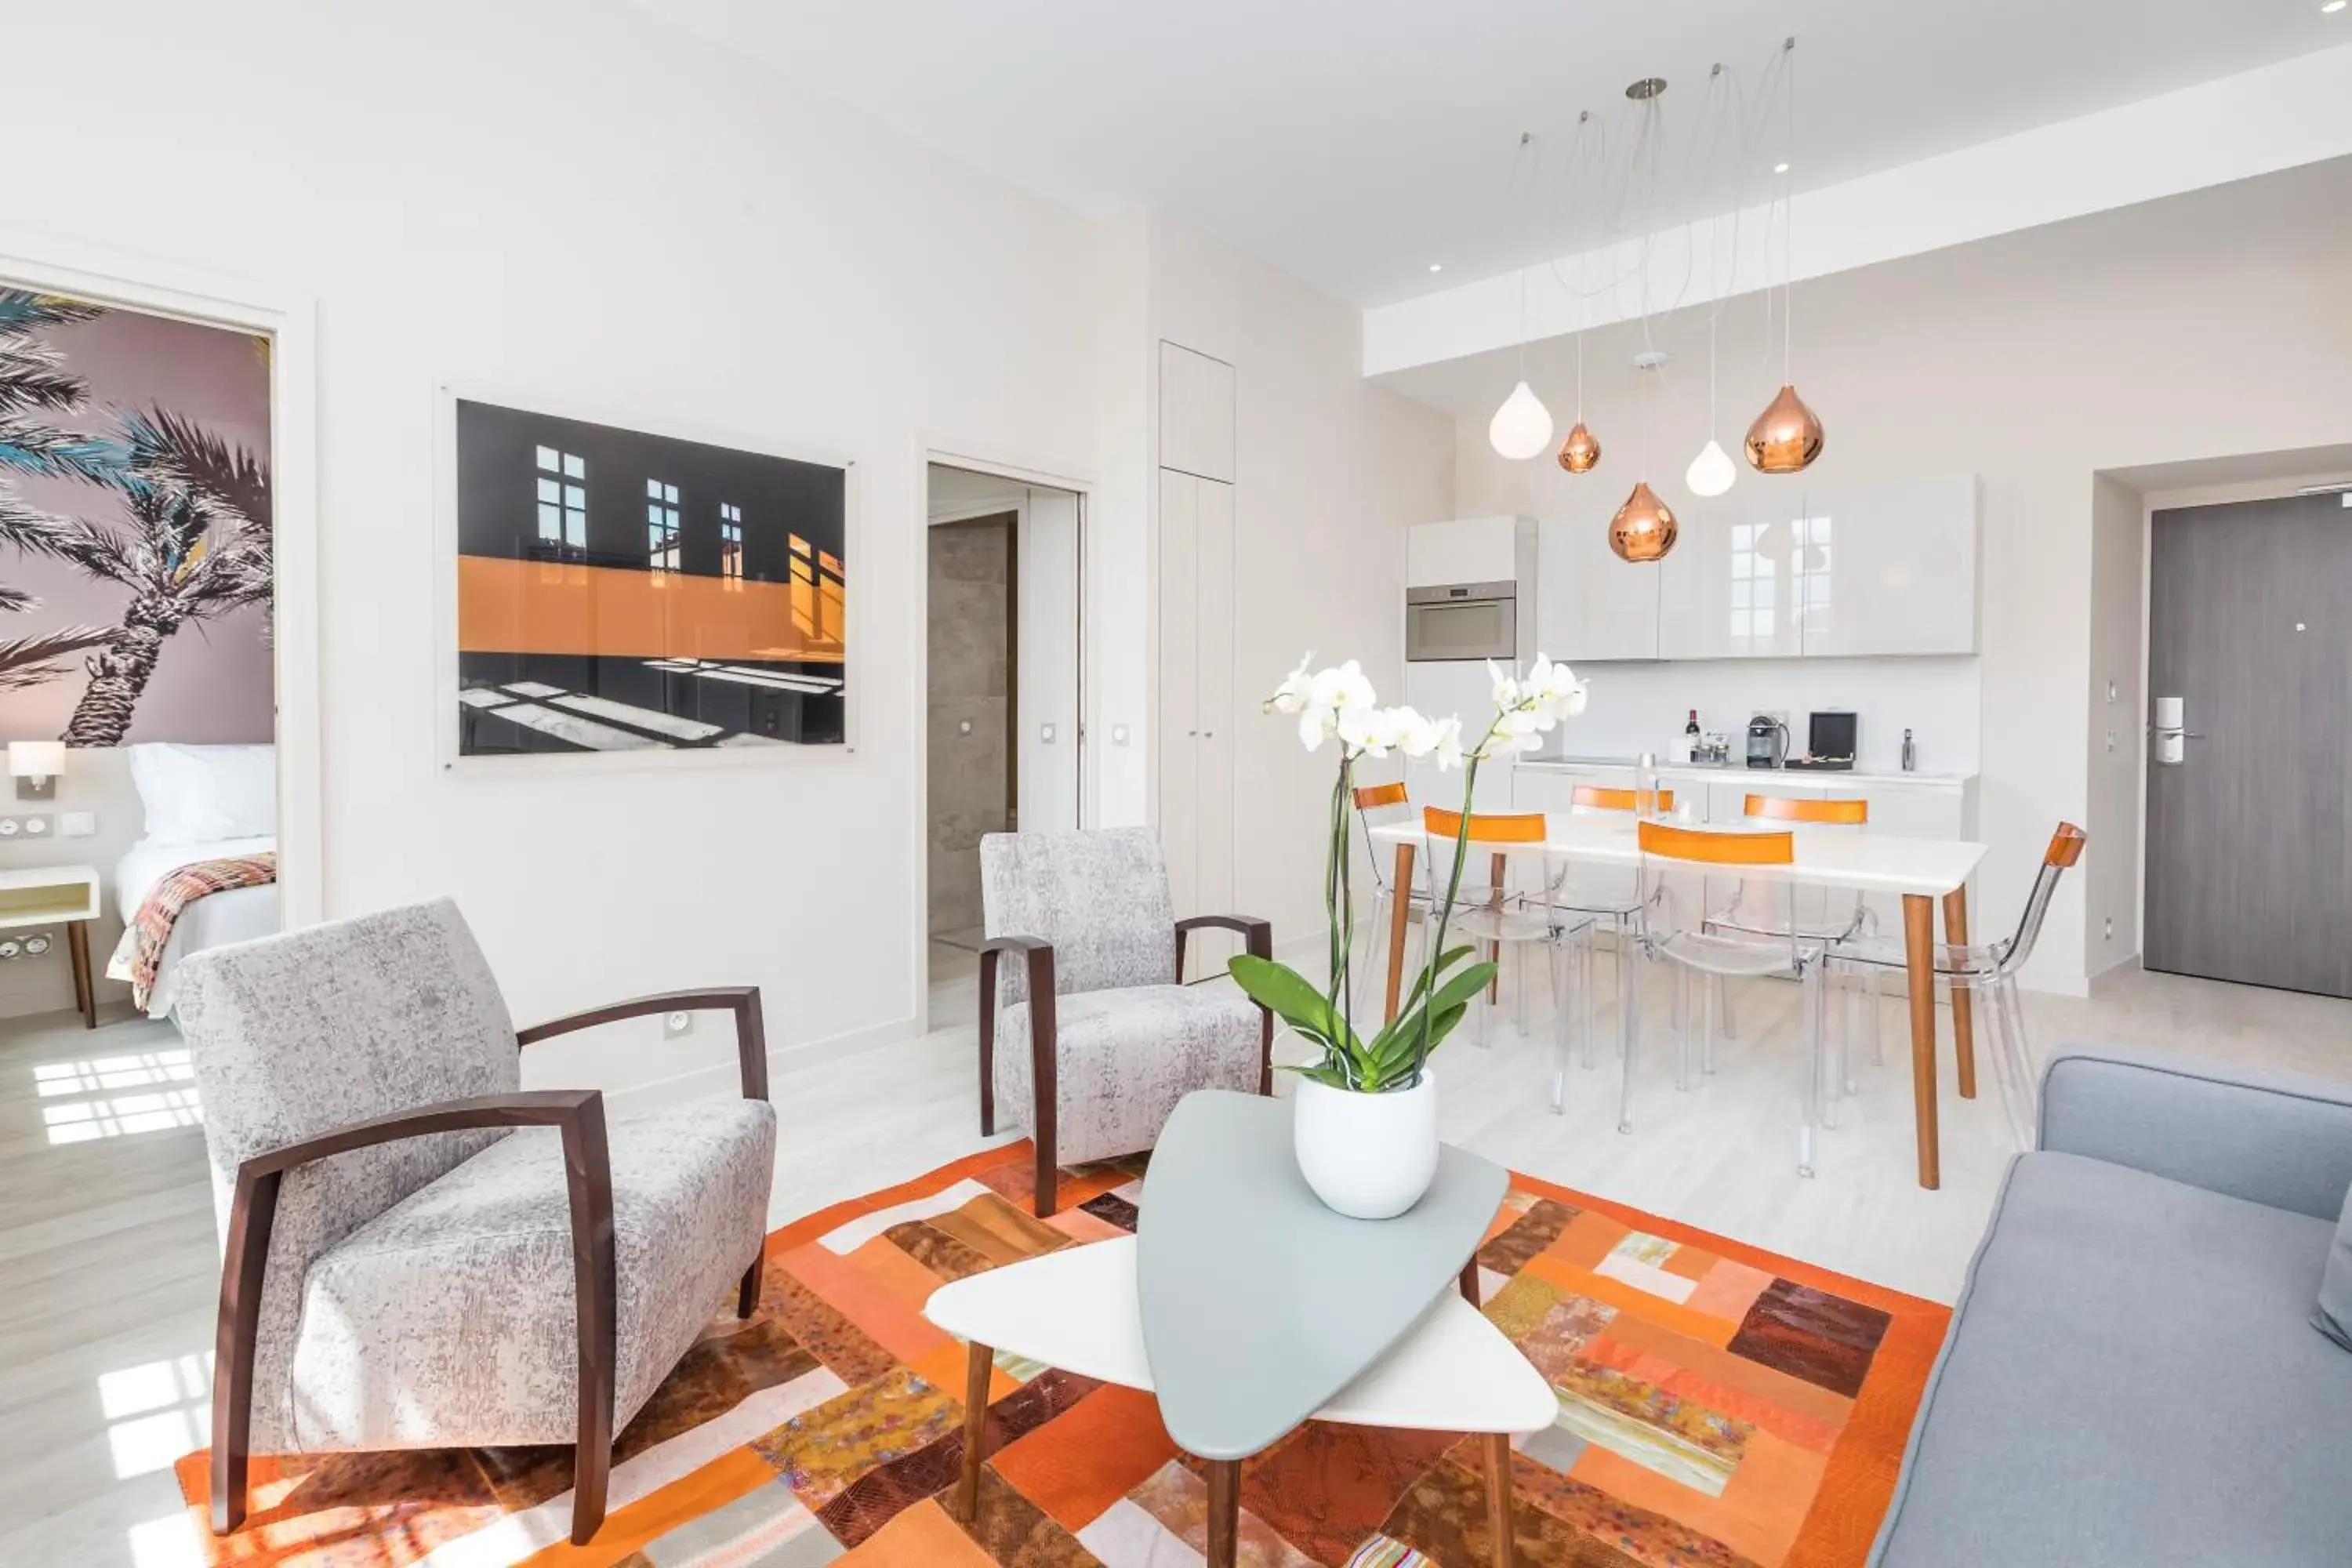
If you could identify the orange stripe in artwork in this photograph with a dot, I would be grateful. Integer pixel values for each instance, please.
(881, 1315)
(616, 611)
(1859, 1481)
(1656, 1309)
(1759, 1514)
(1089, 1456)
(661, 1511)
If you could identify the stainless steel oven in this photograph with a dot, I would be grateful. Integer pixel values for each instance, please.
(1461, 620)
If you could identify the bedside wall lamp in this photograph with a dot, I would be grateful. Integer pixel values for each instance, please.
(37, 764)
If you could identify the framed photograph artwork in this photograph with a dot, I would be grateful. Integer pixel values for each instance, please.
(621, 591)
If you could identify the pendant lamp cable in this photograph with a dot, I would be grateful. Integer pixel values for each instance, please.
(1789, 224)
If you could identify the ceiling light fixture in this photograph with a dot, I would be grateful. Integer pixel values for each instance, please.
(1522, 425)
(2331, 8)
(1643, 528)
(1437, 267)
(1787, 436)
(1779, 168)
(1581, 453)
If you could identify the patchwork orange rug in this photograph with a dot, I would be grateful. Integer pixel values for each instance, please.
(1719, 1406)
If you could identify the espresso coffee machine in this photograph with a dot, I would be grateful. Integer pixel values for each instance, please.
(1768, 741)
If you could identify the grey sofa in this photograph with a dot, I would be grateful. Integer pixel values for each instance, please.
(2132, 1376)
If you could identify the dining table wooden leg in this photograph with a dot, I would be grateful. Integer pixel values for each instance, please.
(978, 1369)
(1224, 1512)
(1919, 961)
(1964, 1041)
(1400, 917)
(1503, 1552)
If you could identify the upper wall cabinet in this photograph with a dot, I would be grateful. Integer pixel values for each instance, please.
(1196, 413)
(1725, 591)
(1462, 550)
(1889, 568)
(1589, 605)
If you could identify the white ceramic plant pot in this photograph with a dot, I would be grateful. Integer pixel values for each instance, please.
(1367, 1156)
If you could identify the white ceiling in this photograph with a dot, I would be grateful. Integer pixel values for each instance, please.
(1353, 142)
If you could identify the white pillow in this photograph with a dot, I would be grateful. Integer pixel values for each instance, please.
(198, 794)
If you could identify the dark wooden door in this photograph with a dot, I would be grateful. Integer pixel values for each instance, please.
(2250, 836)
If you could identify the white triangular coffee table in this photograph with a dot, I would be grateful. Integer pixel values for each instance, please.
(1248, 1307)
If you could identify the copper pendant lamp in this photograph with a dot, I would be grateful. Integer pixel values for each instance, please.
(1643, 528)
(1786, 437)
(1581, 451)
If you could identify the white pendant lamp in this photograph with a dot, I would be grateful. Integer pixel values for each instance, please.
(1711, 472)
(1522, 425)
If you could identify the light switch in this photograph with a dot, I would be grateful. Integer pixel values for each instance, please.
(77, 824)
(1045, 733)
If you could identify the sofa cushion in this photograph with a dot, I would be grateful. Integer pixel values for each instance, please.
(2131, 1379)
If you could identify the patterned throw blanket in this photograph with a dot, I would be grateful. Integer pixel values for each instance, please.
(151, 928)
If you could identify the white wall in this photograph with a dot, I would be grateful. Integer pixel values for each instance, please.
(575, 198)
(2113, 726)
(2218, 324)
(1329, 470)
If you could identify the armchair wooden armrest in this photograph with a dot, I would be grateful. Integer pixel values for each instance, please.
(1257, 937)
(743, 1001)
(253, 1213)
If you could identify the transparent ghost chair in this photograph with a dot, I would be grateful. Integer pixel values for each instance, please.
(1610, 897)
(1382, 806)
(1684, 872)
(1992, 968)
(1503, 905)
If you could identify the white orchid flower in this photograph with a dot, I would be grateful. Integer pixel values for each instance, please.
(1291, 695)
(1573, 703)
(1340, 688)
(1316, 725)
(1556, 688)
(1507, 687)
(1370, 731)
(1415, 736)
(1445, 743)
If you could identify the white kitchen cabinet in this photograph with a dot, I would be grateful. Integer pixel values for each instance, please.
(1196, 413)
(1890, 568)
(1589, 604)
(1462, 550)
(1197, 706)
(1724, 592)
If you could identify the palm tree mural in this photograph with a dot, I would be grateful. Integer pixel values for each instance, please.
(194, 542)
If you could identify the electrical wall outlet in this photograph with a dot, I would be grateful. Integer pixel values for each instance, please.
(77, 824)
(677, 1023)
(2111, 928)
(37, 826)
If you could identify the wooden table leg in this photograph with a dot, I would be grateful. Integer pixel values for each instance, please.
(1224, 1512)
(1964, 1043)
(1399, 916)
(976, 1374)
(85, 989)
(1503, 1554)
(1470, 1281)
(1920, 955)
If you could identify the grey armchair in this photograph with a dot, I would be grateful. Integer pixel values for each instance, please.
(420, 1255)
(1101, 1039)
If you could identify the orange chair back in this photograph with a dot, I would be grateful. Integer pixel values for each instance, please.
(1372, 797)
(1714, 846)
(2065, 845)
(1785, 808)
(1602, 797)
(1485, 827)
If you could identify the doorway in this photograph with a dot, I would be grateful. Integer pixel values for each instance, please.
(2249, 867)
(1001, 692)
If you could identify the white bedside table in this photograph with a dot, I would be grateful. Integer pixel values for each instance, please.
(52, 895)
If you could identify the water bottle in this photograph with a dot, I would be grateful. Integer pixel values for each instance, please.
(1910, 754)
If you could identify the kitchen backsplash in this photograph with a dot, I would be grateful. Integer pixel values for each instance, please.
(1642, 707)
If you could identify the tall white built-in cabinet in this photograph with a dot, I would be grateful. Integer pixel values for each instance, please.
(1197, 708)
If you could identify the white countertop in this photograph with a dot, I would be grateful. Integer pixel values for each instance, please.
(1729, 772)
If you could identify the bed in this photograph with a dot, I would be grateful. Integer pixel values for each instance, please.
(202, 803)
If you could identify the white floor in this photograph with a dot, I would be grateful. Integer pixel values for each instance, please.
(108, 1251)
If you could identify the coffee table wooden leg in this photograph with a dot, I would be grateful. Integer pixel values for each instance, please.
(1964, 1041)
(1920, 956)
(1504, 1552)
(1224, 1512)
(85, 986)
(1470, 1281)
(976, 1374)
(1400, 917)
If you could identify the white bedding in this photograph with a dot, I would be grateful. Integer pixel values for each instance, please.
(215, 920)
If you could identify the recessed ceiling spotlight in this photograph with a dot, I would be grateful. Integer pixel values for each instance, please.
(1779, 168)
(1437, 267)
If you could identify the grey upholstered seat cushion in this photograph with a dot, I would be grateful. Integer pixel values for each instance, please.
(1126, 1058)
(448, 1318)
(2132, 1379)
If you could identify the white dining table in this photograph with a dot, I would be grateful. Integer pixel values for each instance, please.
(1920, 871)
